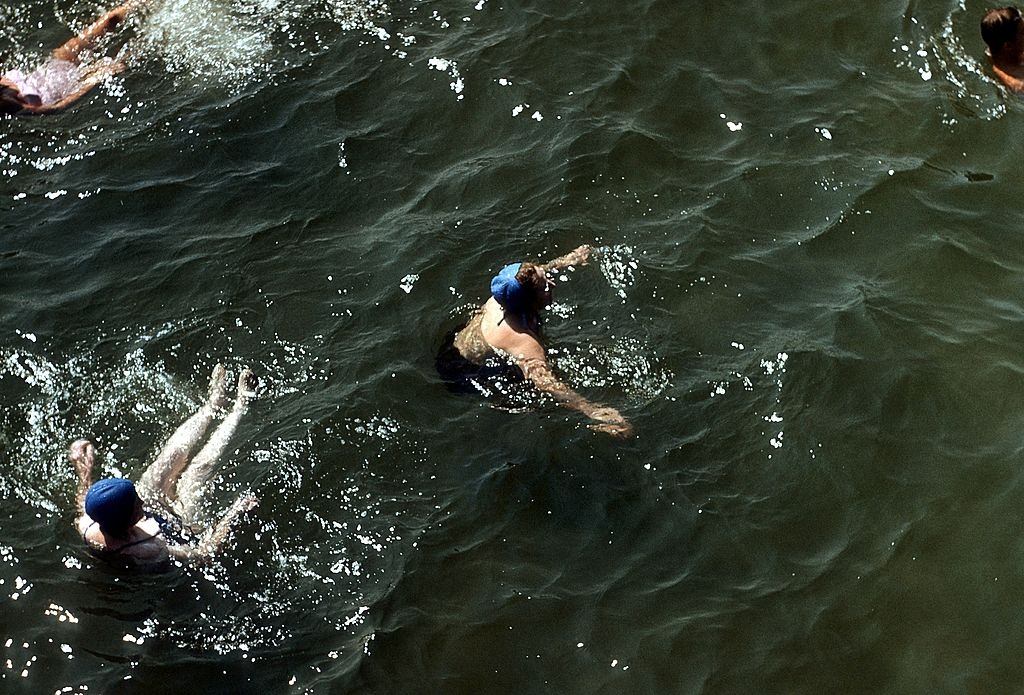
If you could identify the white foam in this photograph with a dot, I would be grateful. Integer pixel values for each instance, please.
(619, 267)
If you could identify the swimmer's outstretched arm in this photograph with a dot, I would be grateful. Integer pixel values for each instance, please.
(578, 256)
(82, 454)
(95, 31)
(609, 420)
(213, 540)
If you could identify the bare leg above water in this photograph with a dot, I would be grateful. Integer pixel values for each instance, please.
(193, 480)
(159, 480)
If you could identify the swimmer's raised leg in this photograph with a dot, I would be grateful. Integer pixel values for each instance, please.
(158, 482)
(190, 487)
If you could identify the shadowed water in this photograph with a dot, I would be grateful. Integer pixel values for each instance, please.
(807, 297)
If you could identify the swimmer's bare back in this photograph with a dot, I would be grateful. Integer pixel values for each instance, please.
(488, 332)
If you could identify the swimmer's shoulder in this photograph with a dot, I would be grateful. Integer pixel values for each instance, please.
(1012, 76)
(515, 341)
(146, 546)
(471, 341)
(83, 524)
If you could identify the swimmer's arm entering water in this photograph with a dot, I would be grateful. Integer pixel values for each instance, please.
(535, 367)
(578, 256)
(213, 540)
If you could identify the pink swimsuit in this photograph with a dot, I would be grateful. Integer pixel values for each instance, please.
(52, 81)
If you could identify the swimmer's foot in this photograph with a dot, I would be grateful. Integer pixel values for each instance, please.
(247, 385)
(218, 394)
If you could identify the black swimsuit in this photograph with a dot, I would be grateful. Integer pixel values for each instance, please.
(85, 537)
(498, 379)
(171, 531)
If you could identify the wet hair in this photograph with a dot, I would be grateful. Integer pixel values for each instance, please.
(999, 27)
(10, 100)
(529, 276)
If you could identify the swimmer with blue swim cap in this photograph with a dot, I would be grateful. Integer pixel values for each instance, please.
(509, 323)
(524, 297)
(114, 505)
(113, 518)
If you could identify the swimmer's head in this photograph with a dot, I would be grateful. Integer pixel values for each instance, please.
(10, 100)
(521, 288)
(114, 504)
(536, 279)
(1000, 27)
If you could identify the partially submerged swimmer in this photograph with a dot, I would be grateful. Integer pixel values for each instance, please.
(118, 521)
(1003, 31)
(62, 79)
(509, 324)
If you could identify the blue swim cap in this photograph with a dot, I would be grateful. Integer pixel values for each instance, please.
(509, 292)
(111, 503)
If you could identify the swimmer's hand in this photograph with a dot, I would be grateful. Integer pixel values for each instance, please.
(580, 255)
(243, 504)
(121, 12)
(96, 74)
(214, 539)
(611, 421)
(624, 431)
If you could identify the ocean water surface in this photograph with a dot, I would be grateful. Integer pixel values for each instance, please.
(807, 295)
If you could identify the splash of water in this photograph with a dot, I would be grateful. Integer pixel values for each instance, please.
(619, 266)
(626, 363)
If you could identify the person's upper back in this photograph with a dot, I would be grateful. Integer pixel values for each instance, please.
(114, 525)
(141, 544)
(509, 333)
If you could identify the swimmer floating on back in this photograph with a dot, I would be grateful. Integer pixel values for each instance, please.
(1003, 31)
(509, 323)
(63, 79)
(112, 519)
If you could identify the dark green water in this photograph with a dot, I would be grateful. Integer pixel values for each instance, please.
(809, 302)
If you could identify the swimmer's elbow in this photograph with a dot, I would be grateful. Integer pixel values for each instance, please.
(537, 371)
(545, 380)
